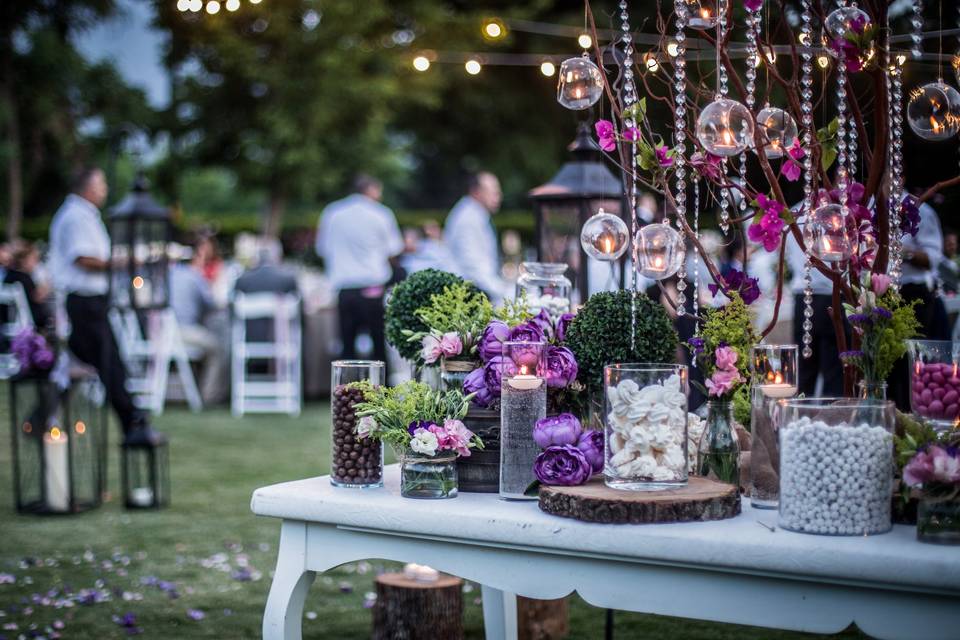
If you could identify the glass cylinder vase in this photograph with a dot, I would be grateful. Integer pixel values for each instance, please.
(645, 426)
(355, 462)
(871, 390)
(523, 401)
(428, 477)
(718, 455)
(934, 381)
(836, 465)
(774, 372)
(545, 287)
(454, 372)
(938, 520)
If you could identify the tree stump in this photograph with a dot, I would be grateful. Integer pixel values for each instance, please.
(542, 619)
(411, 610)
(700, 499)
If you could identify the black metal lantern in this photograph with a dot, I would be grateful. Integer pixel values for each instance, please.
(59, 444)
(140, 232)
(582, 187)
(145, 469)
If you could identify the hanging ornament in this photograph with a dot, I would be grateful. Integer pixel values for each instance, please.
(580, 84)
(779, 130)
(847, 20)
(934, 111)
(660, 251)
(725, 127)
(827, 235)
(955, 63)
(604, 236)
(703, 14)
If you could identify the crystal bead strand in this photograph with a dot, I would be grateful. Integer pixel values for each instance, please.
(842, 176)
(722, 80)
(629, 99)
(753, 62)
(680, 137)
(916, 30)
(696, 256)
(896, 187)
(806, 106)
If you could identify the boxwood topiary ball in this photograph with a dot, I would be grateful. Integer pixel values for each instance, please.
(408, 296)
(600, 334)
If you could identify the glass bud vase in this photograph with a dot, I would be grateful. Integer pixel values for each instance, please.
(872, 390)
(546, 287)
(718, 456)
(454, 372)
(938, 521)
(428, 477)
(355, 462)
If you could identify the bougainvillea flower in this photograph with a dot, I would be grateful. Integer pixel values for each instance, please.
(792, 168)
(631, 133)
(606, 135)
(753, 5)
(766, 231)
(663, 159)
(740, 283)
(707, 164)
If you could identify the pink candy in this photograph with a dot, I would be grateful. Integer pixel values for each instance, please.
(935, 391)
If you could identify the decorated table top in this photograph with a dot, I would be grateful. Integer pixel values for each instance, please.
(741, 544)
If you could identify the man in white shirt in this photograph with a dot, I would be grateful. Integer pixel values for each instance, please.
(360, 242)
(470, 236)
(80, 261)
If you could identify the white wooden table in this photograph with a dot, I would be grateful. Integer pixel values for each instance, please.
(734, 571)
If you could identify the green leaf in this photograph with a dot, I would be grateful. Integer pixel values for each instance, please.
(828, 155)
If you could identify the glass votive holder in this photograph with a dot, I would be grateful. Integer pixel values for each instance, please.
(934, 382)
(774, 376)
(523, 401)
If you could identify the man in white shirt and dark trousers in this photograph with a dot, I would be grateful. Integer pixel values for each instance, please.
(80, 261)
(360, 242)
(470, 236)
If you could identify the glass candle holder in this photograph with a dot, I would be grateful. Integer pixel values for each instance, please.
(773, 376)
(523, 401)
(836, 465)
(546, 287)
(645, 425)
(934, 382)
(428, 477)
(355, 462)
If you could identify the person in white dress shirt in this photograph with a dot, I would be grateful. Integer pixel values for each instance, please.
(470, 236)
(80, 263)
(360, 243)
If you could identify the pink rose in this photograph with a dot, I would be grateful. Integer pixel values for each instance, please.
(946, 467)
(431, 350)
(726, 358)
(450, 344)
(722, 381)
(879, 283)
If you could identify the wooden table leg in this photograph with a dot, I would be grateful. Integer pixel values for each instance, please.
(283, 616)
(499, 614)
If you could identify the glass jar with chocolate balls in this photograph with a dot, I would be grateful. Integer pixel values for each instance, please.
(355, 461)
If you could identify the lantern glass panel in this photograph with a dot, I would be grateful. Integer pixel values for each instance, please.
(146, 476)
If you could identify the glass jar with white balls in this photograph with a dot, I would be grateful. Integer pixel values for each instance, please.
(836, 465)
(545, 287)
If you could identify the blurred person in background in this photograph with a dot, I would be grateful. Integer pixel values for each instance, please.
(196, 312)
(426, 251)
(21, 267)
(267, 275)
(4, 258)
(360, 243)
(470, 236)
(949, 268)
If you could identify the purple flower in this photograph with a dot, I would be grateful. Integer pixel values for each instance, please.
(697, 344)
(196, 614)
(564, 465)
(419, 424)
(767, 229)
(606, 135)
(591, 444)
(663, 157)
(31, 351)
(563, 323)
(738, 282)
(526, 332)
(859, 319)
(492, 339)
(882, 312)
(129, 623)
(544, 322)
(910, 215)
(753, 5)
(707, 164)
(557, 430)
(494, 370)
(853, 353)
(561, 367)
(792, 168)
(475, 383)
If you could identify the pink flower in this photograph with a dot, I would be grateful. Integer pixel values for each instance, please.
(631, 133)
(606, 135)
(707, 164)
(879, 283)
(722, 381)
(946, 467)
(766, 231)
(753, 5)
(725, 357)
(451, 345)
(454, 436)
(431, 350)
(792, 168)
(663, 159)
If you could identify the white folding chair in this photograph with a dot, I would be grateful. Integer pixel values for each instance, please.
(278, 388)
(148, 355)
(16, 319)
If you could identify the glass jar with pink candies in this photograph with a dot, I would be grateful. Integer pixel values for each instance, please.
(934, 381)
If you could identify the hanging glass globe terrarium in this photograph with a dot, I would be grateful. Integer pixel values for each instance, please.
(580, 84)
(827, 234)
(604, 236)
(725, 127)
(702, 14)
(660, 251)
(934, 111)
(779, 131)
(847, 20)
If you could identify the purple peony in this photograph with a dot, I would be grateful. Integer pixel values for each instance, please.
(563, 323)
(544, 322)
(738, 282)
(31, 351)
(476, 383)
(494, 370)
(561, 367)
(557, 430)
(564, 465)
(591, 444)
(526, 332)
(492, 339)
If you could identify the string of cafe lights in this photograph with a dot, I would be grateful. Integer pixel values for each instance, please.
(212, 7)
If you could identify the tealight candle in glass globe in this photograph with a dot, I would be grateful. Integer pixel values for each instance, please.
(779, 131)
(604, 236)
(934, 111)
(725, 127)
(845, 20)
(702, 14)
(660, 251)
(580, 84)
(827, 234)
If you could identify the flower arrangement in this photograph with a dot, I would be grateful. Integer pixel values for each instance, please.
(935, 470)
(32, 351)
(406, 299)
(883, 322)
(570, 454)
(454, 318)
(413, 417)
(721, 348)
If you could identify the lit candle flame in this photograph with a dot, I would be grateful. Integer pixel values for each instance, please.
(523, 369)
(55, 433)
(705, 13)
(80, 427)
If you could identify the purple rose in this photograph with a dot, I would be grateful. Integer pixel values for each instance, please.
(494, 370)
(591, 444)
(492, 339)
(562, 325)
(561, 367)
(544, 322)
(557, 430)
(565, 465)
(475, 383)
(526, 332)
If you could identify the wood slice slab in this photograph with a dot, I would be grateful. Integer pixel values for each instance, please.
(700, 499)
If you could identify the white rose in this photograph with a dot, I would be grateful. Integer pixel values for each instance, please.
(424, 442)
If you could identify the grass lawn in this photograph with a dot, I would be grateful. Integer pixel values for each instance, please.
(202, 568)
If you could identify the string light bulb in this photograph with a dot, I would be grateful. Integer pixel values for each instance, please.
(232, 5)
(473, 66)
(421, 63)
(651, 63)
(494, 29)
(183, 5)
(547, 68)
(585, 41)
